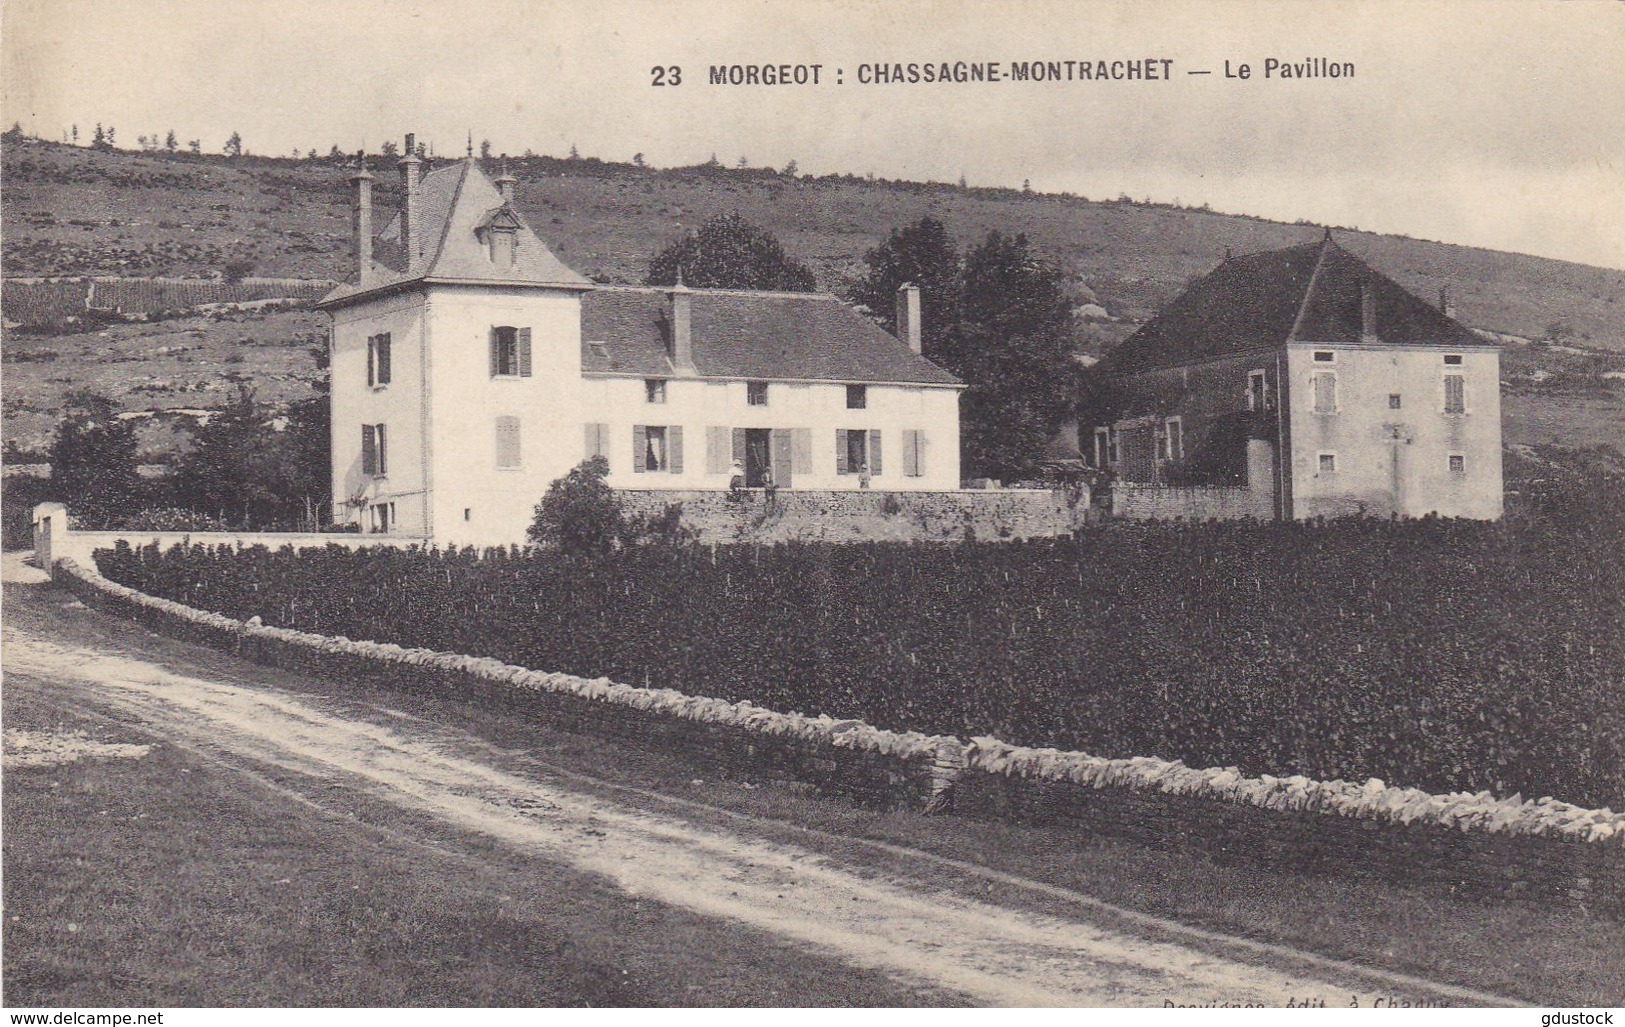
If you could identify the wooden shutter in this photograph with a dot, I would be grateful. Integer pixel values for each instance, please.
(783, 458)
(674, 448)
(383, 359)
(1325, 392)
(372, 349)
(496, 352)
(640, 448)
(383, 450)
(716, 450)
(369, 451)
(1455, 398)
(739, 446)
(597, 440)
(841, 464)
(524, 352)
(508, 453)
(911, 453)
(801, 450)
(874, 454)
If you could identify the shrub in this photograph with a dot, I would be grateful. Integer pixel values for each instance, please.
(579, 515)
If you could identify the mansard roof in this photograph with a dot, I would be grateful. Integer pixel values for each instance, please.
(455, 203)
(1309, 293)
(751, 335)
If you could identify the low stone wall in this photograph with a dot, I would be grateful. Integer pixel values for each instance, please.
(848, 758)
(1195, 503)
(1469, 862)
(1474, 844)
(55, 539)
(864, 515)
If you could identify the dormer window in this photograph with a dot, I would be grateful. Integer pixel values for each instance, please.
(500, 234)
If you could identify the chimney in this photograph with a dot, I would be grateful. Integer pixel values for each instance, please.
(682, 339)
(1444, 302)
(908, 315)
(1368, 313)
(362, 180)
(409, 212)
(505, 182)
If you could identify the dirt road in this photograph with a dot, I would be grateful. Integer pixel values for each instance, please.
(863, 916)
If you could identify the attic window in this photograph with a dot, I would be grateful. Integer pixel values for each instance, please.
(1452, 358)
(502, 240)
(1324, 356)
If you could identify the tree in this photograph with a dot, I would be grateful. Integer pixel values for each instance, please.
(637, 159)
(93, 459)
(111, 131)
(196, 146)
(170, 142)
(729, 252)
(574, 153)
(389, 149)
(744, 162)
(579, 515)
(790, 170)
(922, 253)
(236, 470)
(485, 149)
(99, 141)
(13, 134)
(234, 146)
(1015, 354)
(306, 443)
(76, 135)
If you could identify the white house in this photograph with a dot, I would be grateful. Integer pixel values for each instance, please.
(471, 367)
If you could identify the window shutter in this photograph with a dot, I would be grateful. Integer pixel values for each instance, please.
(508, 453)
(801, 450)
(1325, 392)
(369, 451)
(1455, 399)
(383, 451)
(784, 461)
(524, 352)
(640, 448)
(911, 455)
(496, 353)
(716, 450)
(674, 448)
(383, 359)
(597, 440)
(841, 464)
(739, 446)
(874, 454)
(920, 442)
(372, 349)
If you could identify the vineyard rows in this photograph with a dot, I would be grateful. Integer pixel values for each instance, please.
(1437, 655)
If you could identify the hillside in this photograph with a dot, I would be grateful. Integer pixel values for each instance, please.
(79, 212)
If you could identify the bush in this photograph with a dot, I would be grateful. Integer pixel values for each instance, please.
(579, 515)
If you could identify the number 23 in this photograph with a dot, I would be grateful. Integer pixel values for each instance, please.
(672, 76)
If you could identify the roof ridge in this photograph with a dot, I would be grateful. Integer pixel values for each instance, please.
(1309, 290)
(769, 293)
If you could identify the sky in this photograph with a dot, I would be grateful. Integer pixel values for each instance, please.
(1488, 123)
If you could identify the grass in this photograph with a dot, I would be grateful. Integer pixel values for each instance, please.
(420, 915)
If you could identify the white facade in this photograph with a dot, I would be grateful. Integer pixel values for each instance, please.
(485, 402)
(1385, 430)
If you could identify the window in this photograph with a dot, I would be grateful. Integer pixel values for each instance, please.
(374, 451)
(1324, 356)
(1174, 438)
(913, 453)
(597, 441)
(1258, 397)
(508, 443)
(378, 371)
(1328, 463)
(502, 246)
(1452, 359)
(1325, 392)
(756, 394)
(1393, 401)
(857, 451)
(857, 397)
(1103, 448)
(654, 390)
(383, 515)
(510, 352)
(1458, 463)
(657, 448)
(1455, 394)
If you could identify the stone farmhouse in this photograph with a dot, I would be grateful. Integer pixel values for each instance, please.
(1302, 383)
(471, 368)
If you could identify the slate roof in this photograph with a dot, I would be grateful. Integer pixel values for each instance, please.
(452, 202)
(1307, 293)
(758, 335)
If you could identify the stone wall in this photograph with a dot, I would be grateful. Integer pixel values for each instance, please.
(851, 516)
(1469, 844)
(1196, 503)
